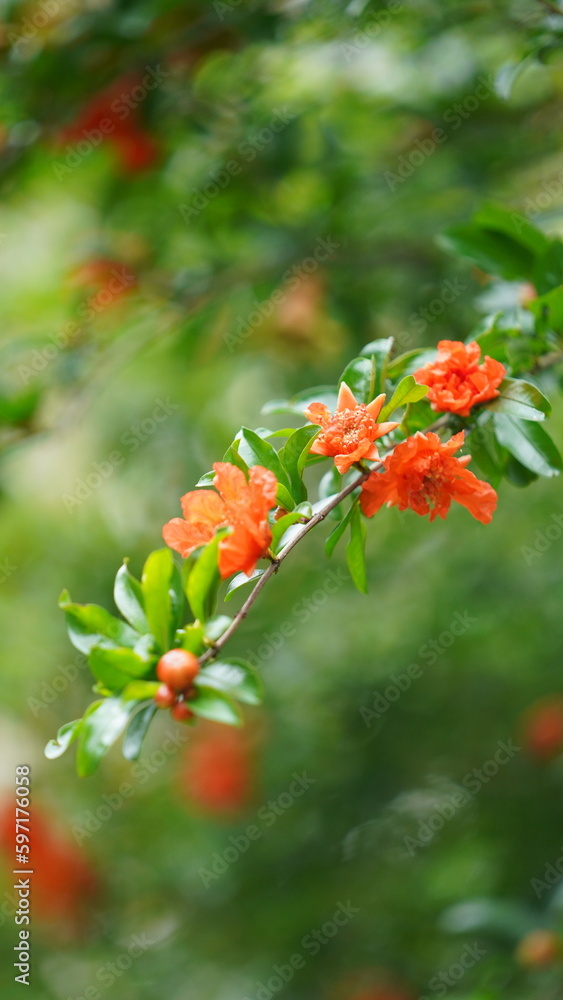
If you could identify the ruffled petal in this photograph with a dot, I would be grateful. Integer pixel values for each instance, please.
(262, 488)
(231, 483)
(318, 413)
(239, 552)
(184, 537)
(203, 507)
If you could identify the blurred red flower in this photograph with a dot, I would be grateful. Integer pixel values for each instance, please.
(543, 728)
(64, 883)
(240, 505)
(349, 434)
(423, 474)
(457, 381)
(217, 775)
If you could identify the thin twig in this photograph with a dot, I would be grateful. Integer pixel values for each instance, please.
(275, 565)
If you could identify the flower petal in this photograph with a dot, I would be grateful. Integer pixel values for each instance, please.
(184, 537)
(374, 408)
(203, 507)
(346, 398)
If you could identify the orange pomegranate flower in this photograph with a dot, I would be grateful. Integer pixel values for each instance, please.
(240, 505)
(349, 434)
(457, 381)
(423, 474)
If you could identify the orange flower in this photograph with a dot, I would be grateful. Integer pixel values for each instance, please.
(349, 434)
(240, 505)
(422, 473)
(456, 379)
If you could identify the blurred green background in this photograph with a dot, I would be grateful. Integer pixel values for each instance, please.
(138, 334)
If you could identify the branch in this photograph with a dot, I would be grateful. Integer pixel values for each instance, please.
(276, 563)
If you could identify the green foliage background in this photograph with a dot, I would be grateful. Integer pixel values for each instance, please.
(359, 103)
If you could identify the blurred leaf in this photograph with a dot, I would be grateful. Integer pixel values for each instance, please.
(520, 399)
(234, 677)
(211, 704)
(90, 625)
(65, 736)
(102, 725)
(326, 394)
(140, 690)
(355, 551)
(215, 626)
(136, 732)
(549, 309)
(403, 364)
(529, 443)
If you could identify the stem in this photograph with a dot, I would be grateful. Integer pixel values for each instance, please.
(274, 566)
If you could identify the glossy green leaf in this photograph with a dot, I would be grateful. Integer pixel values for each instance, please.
(380, 350)
(242, 580)
(91, 625)
(140, 690)
(203, 581)
(215, 626)
(284, 497)
(487, 453)
(407, 391)
(494, 252)
(256, 451)
(518, 474)
(233, 677)
(102, 725)
(65, 736)
(293, 457)
(359, 376)
(355, 551)
(156, 582)
(548, 309)
(211, 704)
(115, 667)
(405, 364)
(280, 527)
(136, 732)
(529, 443)
(337, 533)
(128, 597)
(520, 399)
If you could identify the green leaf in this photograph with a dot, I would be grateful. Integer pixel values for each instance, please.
(359, 376)
(293, 457)
(520, 399)
(232, 455)
(284, 497)
(280, 527)
(203, 581)
(140, 690)
(496, 218)
(518, 474)
(336, 535)
(211, 704)
(206, 480)
(115, 667)
(102, 725)
(156, 582)
(65, 736)
(548, 309)
(403, 364)
(407, 391)
(215, 626)
(417, 417)
(90, 625)
(529, 443)
(136, 732)
(487, 452)
(326, 394)
(241, 580)
(380, 351)
(355, 551)
(256, 451)
(494, 252)
(191, 638)
(128, 597)
(233, 677)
